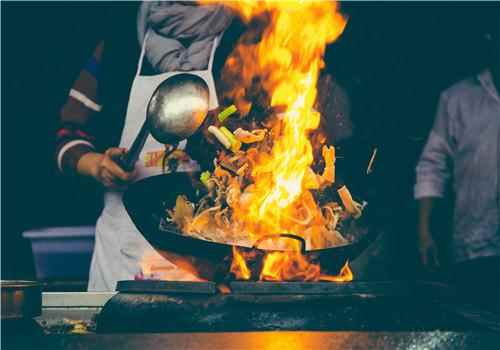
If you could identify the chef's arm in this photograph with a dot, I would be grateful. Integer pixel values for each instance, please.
(74, 138)
(432, 173)
(75, 151)
(104, 168)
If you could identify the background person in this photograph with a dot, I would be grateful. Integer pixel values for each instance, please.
(464, 144)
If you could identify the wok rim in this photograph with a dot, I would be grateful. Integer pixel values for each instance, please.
(308, 251)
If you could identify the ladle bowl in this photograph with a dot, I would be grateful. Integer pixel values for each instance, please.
(177, 108)
(175, 111)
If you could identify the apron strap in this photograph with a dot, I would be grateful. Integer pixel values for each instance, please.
(143, 52)
(212, 53)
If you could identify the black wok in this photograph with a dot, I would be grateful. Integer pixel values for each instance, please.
(146, 202)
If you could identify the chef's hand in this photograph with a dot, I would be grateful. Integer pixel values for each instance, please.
(428, 249)
(105, 169)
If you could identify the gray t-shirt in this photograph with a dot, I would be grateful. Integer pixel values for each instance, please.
(465, 140)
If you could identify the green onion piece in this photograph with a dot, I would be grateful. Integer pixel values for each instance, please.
(235, 143)
(204, 177)
(226, 113)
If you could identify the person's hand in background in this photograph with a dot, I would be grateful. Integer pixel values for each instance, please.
(428, 251)
(427, 247)
(105, 169)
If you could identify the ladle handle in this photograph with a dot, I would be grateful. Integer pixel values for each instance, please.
(128, 160)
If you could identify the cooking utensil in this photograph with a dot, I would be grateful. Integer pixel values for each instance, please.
(21, 299)
(147, 200)
(175, 111)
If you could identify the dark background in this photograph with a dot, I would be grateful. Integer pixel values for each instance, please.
(394, 59)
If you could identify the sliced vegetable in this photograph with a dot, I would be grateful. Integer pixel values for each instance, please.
(219, 136)
(329, 171)
(351, 206)
(204, 177)
(250, 136)
(226, 113)
(235, 143)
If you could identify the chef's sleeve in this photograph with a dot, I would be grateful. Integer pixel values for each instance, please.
(73, 138)
(433, 168)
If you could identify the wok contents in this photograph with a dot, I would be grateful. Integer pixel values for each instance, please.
(219, 214)
(273, 172)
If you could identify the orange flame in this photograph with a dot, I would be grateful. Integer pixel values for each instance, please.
(286, 62)
(286, 266)
(239, 267)
(293, 266)
(345, 275)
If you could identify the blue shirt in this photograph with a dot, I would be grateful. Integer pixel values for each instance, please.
(465, 142)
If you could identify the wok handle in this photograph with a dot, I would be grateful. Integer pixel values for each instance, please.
(128, 160)
(282, 235)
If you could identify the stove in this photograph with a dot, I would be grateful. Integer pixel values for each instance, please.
(160, 306)
(254, 315)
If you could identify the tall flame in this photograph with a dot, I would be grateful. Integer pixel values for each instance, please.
(286, 62)
(288, 59)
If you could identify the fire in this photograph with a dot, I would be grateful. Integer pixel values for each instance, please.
(239, 267)
(345, 275)
(293, 266)
(286, 266)
(285, 62)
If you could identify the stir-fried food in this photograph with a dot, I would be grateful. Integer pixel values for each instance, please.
(219, 214)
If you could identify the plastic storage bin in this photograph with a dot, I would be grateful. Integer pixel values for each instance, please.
(62, 253)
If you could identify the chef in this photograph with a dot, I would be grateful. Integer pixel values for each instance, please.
(111, 93)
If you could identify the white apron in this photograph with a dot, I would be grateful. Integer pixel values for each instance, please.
(120, 251)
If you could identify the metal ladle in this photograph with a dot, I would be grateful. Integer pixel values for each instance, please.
(175, 111)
